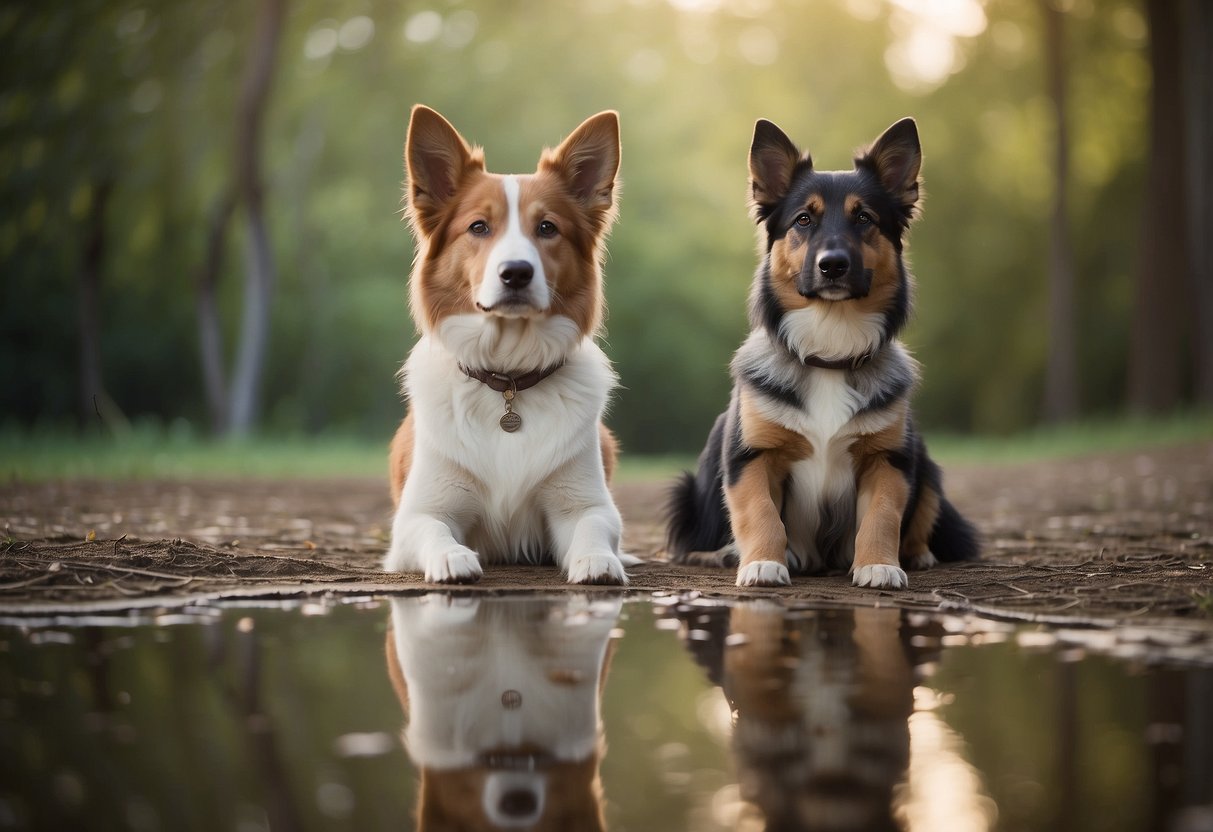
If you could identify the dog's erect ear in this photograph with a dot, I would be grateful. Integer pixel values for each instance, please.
(896, 157)
(436, 158)
(773, 160)
(588, 160)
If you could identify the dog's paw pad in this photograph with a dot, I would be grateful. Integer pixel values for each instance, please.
(763, 573)
(880, 577)
(457, 567)
(597, 569)
(924, 560)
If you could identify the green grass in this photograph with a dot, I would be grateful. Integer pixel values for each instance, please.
(1079, 439)
(149, 452)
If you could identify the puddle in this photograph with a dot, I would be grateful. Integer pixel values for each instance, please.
(576, 714)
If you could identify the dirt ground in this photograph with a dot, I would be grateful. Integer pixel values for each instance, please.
(1094, 541)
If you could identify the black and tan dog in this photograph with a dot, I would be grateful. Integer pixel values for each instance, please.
(816, 464)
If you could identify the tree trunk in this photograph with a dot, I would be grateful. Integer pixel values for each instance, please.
(1061, 374)
(1160, 317)
(1198, 96)
(210, 334)
(254, 325)
(244, 403)
(95, 403)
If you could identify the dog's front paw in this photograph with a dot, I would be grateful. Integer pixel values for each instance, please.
(880, 577)
(923, 560)
(458, 566)
(596, 569)
(763, 573)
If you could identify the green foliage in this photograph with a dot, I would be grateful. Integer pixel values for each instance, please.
(145, 94)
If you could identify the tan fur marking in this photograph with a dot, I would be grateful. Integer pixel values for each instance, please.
(885, 488)
(753, 502)
(400, 457)
(755, 498)
(852, 203)
(762, 434)
(787, 259)
(870, 448)
(571, 258)
(879, 256)
(610, 451)
(879, 537)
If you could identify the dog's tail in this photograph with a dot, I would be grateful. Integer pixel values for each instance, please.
(953, 537)
(698, 516)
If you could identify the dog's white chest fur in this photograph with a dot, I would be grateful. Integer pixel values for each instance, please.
(821, 487)
(458, 427)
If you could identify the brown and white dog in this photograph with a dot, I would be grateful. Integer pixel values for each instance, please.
(503, 698)
(503, 455)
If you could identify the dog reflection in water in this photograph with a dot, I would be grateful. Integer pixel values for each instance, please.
(502, 704)
(820, 705)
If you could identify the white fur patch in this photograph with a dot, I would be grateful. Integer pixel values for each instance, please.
(505, 344)
(831, 330)
(527, 496)
(880, 577)
(514, 244)
(763, 573)
(828, 474)
(458, 566)
(606, 568)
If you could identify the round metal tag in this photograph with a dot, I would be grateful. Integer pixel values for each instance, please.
(510, 422)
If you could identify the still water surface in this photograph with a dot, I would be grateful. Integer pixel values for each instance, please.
(443, 713)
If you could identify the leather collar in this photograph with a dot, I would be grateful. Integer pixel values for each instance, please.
(852, 363)
(501, 382)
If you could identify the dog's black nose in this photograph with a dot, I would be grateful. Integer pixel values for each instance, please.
(833, 264)
(516, 274)
(518, 803)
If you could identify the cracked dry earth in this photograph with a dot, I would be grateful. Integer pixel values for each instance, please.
(1094, 541)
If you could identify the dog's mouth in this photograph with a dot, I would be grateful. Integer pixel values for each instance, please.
(832, 293)
(511, 308)
(851, 287)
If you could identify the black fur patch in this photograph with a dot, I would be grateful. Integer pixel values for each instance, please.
(893, 390)
(770, 387)
(698, 515)
(836, 533)
(766, 310)
(737, 454)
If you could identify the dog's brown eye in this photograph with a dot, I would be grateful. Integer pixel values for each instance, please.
(804, 220)
(547, 229)
(863, 218)
(479, 228)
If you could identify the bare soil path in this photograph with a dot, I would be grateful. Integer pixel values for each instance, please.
(1096, 541)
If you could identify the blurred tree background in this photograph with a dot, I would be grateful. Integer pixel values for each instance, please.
(201, 212)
